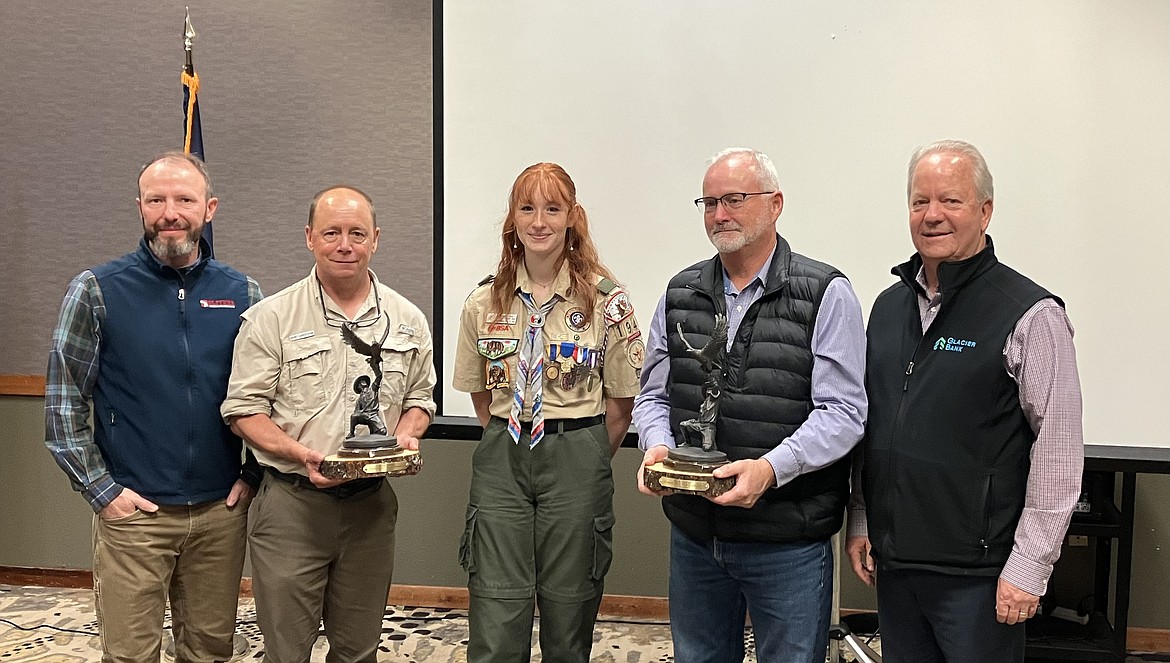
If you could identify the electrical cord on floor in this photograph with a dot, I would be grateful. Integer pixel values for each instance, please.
(48, 626)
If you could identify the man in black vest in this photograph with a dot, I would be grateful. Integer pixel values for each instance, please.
(793, 406)
(973, 452)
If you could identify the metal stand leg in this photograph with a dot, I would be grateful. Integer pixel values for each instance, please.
(841, 633)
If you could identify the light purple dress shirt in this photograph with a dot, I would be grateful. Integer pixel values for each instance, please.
(837, 421)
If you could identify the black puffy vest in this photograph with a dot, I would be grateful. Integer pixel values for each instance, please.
(767, 395)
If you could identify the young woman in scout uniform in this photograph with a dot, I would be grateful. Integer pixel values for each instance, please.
(550, 352)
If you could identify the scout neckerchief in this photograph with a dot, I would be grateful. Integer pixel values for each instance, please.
(529, 380)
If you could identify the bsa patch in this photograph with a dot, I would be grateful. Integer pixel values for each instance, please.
(496, 375)
(636, 353)
(497, 348)
(577, 320)
(618, 307)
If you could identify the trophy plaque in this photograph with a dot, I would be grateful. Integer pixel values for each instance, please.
(373, 454)
(688, 468)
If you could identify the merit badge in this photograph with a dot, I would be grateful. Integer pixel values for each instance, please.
(636, 353)
(496, 375)
(618, 307)
(497, 348)
(577, 320)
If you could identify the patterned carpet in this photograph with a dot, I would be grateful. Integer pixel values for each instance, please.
(68, 632)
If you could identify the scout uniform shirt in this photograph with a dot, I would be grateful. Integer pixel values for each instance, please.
(291, 364)
(588, 355)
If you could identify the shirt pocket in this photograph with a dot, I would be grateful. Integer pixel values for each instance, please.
(398, 355)
(304, 372)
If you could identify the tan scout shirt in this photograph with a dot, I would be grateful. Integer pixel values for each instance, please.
(489, 344)
(292, 365)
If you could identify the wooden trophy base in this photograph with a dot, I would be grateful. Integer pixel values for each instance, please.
(687, 478)
(366, 463)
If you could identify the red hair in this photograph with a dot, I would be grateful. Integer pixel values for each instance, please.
(553, 184)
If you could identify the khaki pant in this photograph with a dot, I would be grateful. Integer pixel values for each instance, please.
(192, 554)
(317, 556)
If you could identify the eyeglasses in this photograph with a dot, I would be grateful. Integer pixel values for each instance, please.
(332, 236)
(334, 320)
(730, 201)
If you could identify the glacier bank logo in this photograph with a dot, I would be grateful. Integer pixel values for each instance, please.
(952, 344)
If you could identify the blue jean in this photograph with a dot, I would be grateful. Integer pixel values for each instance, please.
(787, 589)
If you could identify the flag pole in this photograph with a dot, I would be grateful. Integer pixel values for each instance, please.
(192, 127)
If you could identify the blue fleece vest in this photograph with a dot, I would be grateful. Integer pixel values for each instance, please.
(164, 359)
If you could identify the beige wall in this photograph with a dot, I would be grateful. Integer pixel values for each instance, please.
(44, 524)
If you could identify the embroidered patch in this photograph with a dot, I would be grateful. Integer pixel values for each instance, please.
(496, 375)
(505, 319)
(577, 320)
(618, 307)
(626, 327)
(217, 303)
(636, 353)
(496, 348)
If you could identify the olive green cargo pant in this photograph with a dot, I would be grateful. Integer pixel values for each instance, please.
(539, 530)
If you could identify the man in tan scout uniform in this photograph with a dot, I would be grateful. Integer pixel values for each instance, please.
(321, 547)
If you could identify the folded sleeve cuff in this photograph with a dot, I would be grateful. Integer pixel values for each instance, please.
(1029, 575)
(101, 492)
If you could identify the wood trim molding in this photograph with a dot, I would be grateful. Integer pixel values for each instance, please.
(650, 608)
(22, 385)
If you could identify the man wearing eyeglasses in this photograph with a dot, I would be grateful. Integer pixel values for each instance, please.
(322, 548)
(792, 408)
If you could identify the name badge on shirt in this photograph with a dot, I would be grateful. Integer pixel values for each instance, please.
(309, 333)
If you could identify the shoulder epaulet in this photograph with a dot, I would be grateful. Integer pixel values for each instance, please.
(487, 279)
(606, 286)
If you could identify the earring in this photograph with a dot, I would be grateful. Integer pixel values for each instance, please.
(569, 239)
(514, 244)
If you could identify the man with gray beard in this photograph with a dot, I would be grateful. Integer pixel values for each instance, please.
(792, 407)
(146, 341)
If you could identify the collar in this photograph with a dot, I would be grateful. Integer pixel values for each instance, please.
(561, 284)
(761, 276)
(317, 292)
(775, 271)
(163, 268)
(951, 275)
